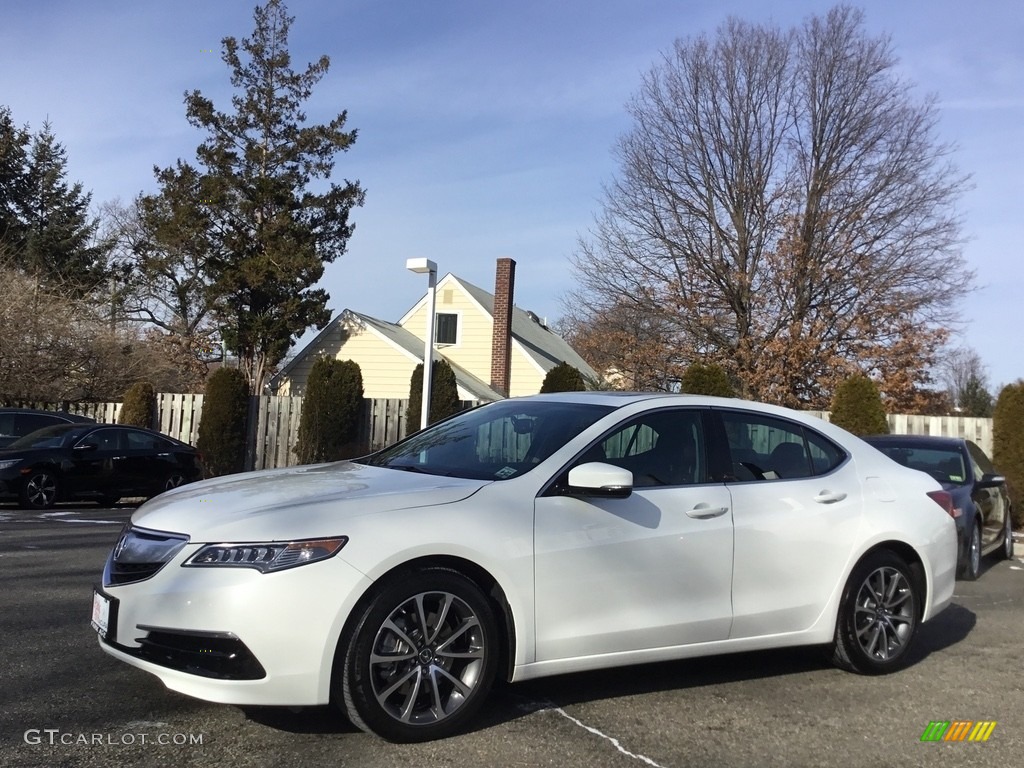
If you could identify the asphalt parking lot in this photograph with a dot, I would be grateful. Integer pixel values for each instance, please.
(65, 703)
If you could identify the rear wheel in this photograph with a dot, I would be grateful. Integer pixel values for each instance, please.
(878, 615)
(970, 569)
(1006, 551)
(421, 659)
(40, 489)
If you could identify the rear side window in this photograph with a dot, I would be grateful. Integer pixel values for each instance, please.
(30, 422)
(767, 448)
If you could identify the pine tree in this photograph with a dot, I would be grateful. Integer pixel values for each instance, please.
(269, 235)
(14, 143)
(57, 244)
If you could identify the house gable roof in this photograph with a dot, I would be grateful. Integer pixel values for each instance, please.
(397, 337)
(540, 344)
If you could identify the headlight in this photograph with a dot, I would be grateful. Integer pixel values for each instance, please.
(266, 556)
(8, 463)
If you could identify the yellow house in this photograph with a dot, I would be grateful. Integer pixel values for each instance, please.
(488, 363)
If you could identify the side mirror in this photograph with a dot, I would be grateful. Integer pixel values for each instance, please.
(990, 481)
(601, 480)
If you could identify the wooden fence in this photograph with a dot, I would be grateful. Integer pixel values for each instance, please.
(274, 424)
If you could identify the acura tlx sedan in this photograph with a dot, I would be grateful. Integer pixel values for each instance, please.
(534, 536)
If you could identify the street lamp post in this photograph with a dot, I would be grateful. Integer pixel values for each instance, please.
(421, 266)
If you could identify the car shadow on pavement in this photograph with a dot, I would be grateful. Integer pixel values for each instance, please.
(510, 702)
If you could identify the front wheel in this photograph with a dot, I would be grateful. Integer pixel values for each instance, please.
(421, 659)
(40, 489)
(878, 615)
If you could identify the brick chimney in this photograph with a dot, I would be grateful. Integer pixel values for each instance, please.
(501, 342)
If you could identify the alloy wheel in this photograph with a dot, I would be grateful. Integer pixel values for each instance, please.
(884, 614)
(41, 490)
(426, 658)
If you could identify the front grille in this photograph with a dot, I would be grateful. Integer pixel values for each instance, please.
(139, 554)
(219, 655)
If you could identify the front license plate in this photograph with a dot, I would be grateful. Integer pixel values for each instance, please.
(101, 614)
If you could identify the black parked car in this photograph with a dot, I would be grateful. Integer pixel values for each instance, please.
(981, 504)
(101, 462)
(18, 422)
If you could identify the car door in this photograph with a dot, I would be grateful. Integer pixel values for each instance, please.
(149, 462)
(796, 505)
(990, 500)
(651, 570)
(96, 463)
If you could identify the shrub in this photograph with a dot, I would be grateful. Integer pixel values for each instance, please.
(710, 379)
(857, 407)
(444, 395)
(563, 378)
(332, 410)
(222, 427)
(1008, 444)
(138, 405)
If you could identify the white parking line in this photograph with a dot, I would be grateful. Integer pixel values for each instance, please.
(534, 707)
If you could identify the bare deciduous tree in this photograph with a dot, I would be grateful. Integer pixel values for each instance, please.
(784, 208)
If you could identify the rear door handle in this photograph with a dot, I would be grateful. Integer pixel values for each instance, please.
(827, 497)
(704, 512)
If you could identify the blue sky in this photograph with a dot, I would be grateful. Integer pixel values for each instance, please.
(486, 128)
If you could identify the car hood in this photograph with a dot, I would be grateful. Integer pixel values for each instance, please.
(293, 503)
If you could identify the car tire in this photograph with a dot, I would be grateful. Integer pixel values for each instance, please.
(878, 615)
(40, 489)
(439, 630)
(1006, 551)
(970, 568)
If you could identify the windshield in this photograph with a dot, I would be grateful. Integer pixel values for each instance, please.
(496, 442)
(944, 464)
(47, 437)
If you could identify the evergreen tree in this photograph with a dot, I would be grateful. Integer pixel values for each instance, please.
(138, 405)
(1008, 444)
(710, 379)
(444, 395)
(57, 243)
(563, 378)
(222, 427)
(14, 142)
(269, 234)
(857, 407)
(332, 408)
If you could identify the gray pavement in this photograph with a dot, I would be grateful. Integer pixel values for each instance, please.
(65, 703)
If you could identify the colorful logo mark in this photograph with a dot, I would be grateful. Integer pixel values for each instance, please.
(958, 730)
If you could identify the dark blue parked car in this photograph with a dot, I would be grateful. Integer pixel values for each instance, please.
(981, 504)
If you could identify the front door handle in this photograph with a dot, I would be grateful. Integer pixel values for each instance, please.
(827, 497)
(704, 512)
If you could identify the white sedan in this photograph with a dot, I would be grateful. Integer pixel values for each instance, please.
(534, 536)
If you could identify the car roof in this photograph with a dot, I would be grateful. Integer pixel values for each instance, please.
(66, 415)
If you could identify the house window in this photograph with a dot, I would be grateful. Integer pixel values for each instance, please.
(447, 328)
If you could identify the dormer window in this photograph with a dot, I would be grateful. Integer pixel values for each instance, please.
(447, 330)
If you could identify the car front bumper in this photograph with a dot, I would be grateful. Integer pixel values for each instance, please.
(235, 635)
